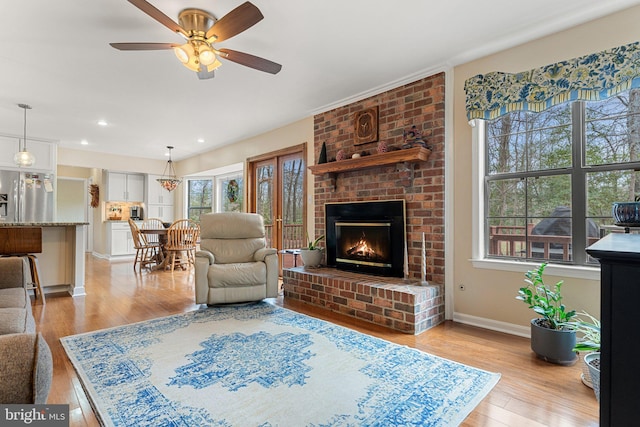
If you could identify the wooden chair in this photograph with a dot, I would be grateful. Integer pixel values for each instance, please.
(146, 253)
(152, 224)
(183, 236)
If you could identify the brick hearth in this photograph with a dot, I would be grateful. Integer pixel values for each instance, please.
(396, 303)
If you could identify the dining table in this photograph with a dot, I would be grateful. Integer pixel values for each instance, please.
(163, 235)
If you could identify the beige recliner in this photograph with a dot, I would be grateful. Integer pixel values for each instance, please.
(233, 263)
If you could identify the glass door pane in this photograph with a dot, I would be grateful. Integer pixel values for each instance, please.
(265, 198)
(276, 190)
(292, 195)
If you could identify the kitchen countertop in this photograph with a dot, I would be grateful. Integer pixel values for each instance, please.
(41, 224)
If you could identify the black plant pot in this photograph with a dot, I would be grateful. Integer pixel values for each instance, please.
(553, 345)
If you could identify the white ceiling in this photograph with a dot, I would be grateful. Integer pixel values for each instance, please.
(55, 56)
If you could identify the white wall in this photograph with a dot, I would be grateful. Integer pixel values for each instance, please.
(71, 200)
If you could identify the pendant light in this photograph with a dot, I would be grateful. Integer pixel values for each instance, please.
(169, 181)
(23, 158)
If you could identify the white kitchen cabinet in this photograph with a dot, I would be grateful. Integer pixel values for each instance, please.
(120, 238)
(122, 186)
(45, 154)
(157, 195)
(159, 203)
(164, 212)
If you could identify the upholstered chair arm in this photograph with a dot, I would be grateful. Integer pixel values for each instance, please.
(27, 368)
(204, 259)
(206, 254)
(271, 260)
(262, 253)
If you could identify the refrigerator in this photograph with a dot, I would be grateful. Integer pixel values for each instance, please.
(26, 196)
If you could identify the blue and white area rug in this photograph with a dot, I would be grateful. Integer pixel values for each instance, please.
(262, 365)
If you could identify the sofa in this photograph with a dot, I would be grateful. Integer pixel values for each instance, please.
(233, 264)
(25, 357)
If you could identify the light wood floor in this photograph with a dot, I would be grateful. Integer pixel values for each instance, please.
(530, 392)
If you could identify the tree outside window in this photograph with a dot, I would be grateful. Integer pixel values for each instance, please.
(552, 177)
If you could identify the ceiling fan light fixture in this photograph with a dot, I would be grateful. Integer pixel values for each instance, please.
(206, 55)
(214, 66)
(181, 53)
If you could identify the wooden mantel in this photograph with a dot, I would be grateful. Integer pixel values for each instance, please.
(410, 155)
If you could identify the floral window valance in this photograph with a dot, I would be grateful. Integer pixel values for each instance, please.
(590, 77)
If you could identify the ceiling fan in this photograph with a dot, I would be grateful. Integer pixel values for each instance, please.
(201, 30)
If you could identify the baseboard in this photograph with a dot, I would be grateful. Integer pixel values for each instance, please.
(494, 325)
(99, 255)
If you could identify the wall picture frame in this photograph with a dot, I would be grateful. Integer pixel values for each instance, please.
(365, 126)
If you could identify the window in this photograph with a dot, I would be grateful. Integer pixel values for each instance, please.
(199, 198)
(550, 178)
(223, 191)
(230, 194)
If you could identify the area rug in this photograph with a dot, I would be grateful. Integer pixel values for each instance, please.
(263, 365)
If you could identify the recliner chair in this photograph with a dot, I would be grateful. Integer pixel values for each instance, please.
(233, 264)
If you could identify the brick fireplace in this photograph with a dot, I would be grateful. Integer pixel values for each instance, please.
(379, 177)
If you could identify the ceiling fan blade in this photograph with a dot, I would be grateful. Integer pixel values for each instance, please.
(250, 61)
(143, 46)
(156, 14)
(239, 19)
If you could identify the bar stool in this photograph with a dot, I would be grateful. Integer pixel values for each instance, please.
(24, 242)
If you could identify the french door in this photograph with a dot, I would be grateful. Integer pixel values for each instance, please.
(277, 192)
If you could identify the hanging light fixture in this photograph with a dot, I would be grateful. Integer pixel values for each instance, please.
(23, 158)
(169, 181)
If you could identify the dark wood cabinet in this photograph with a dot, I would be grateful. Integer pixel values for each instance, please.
(619, 256)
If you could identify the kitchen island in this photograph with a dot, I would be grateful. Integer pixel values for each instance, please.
(61, 262)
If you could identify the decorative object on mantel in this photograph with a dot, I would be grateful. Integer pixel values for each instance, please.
(366, 126)
(323, 154)
(169, 182)
(94, 191)
(24, 158)
(413, 138)
(341, 155)
(355, 156)
(382, 147)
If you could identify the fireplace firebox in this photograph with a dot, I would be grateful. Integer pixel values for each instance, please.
(367, 237)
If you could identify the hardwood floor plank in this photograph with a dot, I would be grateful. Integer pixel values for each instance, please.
(530, 392)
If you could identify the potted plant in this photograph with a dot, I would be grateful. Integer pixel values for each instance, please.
(588, 340)
(552, 337)
(312, 254)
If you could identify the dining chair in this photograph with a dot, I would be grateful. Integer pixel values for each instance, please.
(146, 252)
(183, 237)
(152, 224)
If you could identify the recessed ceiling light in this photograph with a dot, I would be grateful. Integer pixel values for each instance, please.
(102, 122)
(201, 140)
(84, 142)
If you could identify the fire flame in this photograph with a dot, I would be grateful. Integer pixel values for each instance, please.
(362, 248)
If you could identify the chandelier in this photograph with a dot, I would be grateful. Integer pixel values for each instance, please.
(23, 158)
(169, 181)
